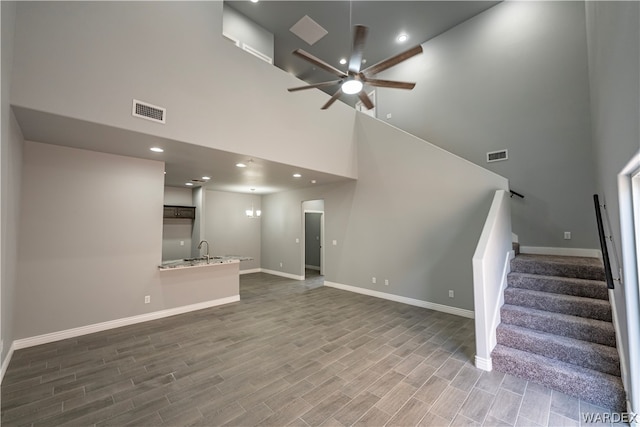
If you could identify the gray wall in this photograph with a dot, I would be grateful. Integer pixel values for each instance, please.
(172, 54)
(613, 30)
(90, 239)
(228, 229)
(414, 217)
(514, 77)
(312, 228)
(10, 187)
(246, 31)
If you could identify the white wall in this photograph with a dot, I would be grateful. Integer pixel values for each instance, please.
(172, 54)
(514, 77)
(414, 216)
(10, 189)
(613, 30)
(246, 31)
(228, 229)
(90, 239)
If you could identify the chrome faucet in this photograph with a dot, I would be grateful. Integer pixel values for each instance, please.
(200, 247)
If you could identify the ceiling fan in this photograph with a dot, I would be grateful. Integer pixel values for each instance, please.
(354, 79)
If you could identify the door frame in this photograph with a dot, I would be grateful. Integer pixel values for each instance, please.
(629, 204)
(304, 243)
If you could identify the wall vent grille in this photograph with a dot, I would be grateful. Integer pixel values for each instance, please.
(497, 156)
(144, 110)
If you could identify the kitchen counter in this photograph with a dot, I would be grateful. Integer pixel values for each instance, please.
(202, 262)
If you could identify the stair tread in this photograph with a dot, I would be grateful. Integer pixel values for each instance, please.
(588, 354)
(590, 288)
(563, 266)
(592, 386)
(559, 303)
(593, 330)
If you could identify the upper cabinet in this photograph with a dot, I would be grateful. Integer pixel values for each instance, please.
(188, 212)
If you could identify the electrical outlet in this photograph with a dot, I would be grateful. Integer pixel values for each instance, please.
(567, 235)
(450, 293)
(373, 280)
(280, 265)
(147, 299)
(335, 243)
(181, 242)
(386, 282)
(297, 240)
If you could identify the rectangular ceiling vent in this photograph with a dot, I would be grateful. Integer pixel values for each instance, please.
(497, 156)
(144, 110)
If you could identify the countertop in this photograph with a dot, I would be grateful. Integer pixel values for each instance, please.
(202, 262)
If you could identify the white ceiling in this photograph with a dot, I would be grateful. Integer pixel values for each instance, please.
(183, 161)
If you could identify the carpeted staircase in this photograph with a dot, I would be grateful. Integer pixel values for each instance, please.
(556, 329)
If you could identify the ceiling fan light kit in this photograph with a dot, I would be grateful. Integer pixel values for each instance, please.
(353, 81)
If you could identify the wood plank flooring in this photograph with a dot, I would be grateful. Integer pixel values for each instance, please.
(289, 353)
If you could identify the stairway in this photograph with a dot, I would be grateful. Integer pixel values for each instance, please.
(556, 329)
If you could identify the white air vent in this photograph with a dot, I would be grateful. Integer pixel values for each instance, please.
(147, 111)
(496, 156)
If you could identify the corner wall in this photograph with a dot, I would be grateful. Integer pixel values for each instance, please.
(613, 31)
(513, 77)
(90, 239)
(10, 189)
(414, 217)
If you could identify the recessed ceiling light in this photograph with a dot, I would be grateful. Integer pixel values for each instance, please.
(296, 175)
(255, 1)
(188, 183)
(402, 38)
(343, 61)
(241, 165)
(156, 149)
(206, 178)
(313, 181)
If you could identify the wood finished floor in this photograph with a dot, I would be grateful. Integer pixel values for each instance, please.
(289, 353)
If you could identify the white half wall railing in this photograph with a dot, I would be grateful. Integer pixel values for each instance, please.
(491, 264)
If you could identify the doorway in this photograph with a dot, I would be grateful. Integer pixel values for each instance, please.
(313, 238)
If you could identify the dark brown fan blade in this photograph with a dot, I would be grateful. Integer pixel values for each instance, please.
(394, 60)
(365, 99)
(318, 62)
(359, 38)
(389, 83)
(315, 85)
(333, 99)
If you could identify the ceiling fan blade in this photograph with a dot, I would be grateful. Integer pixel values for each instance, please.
(365, 99)
(333, 99)
(315, 85)
(357, 50)
(389, 83)
(394, 60)
(318, 62)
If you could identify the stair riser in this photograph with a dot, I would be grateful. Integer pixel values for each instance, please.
(554, 269)
(591, 309)
(598, 332)
(599, 359)
(590, 389)
(578, 288)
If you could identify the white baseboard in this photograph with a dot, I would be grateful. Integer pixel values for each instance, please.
(5, 362)
(251, 270)
(540, 250)
(405, 300)
(484, 364)
(312, 267)
(282, 274)
(98, 327)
